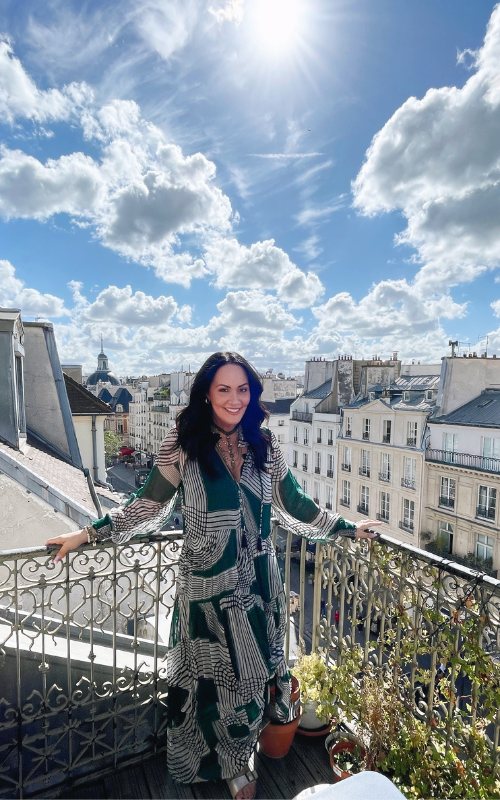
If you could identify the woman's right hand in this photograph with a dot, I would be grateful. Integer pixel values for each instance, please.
(68, 541)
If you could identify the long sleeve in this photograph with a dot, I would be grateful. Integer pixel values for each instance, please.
(297, 511)
(151, 507)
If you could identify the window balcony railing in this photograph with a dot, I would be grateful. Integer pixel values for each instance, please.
(366, 435)
(382, 517)
(330, 441)
(295, 465)
(385, 477)
(346, 467)
(362, 508)
(386, 438)
(364, 471)
(84, 643)
(328, 505)
(316, 500)
(329, 473)
(306, 442)
(317, 470)
(295, 439)
(447, 502)
(318, 439)
(411, 442)
(408, 483)
(348, 433)
(304, 467)
(485, 512)
(302, 416)
(463, 460)
(344, 502)
(406, 525)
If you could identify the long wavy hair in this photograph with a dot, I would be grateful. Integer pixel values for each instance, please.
(194, 423)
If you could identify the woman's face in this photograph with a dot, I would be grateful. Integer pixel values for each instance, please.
(229, 395)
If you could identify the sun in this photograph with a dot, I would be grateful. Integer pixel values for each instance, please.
(277, 23)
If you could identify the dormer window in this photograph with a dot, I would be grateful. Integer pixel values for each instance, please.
(406, 397)
(428, 394)
(371, 395)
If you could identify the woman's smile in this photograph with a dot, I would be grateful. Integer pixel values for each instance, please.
(229, 395)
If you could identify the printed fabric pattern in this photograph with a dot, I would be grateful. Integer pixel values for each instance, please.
(229, 617)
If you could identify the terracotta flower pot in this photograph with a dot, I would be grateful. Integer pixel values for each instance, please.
(341, 747)
(276, 739)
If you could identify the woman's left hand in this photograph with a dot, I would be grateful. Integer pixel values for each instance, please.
(363, 529)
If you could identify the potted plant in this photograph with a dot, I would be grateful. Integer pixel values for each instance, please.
(315, 690)
(276, 736)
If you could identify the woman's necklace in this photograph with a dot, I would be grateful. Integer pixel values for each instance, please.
(232, 460)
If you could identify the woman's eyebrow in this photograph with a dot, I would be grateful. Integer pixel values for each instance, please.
(227, 386)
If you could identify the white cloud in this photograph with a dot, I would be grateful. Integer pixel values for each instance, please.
(184, 314)
(280, 156)
(438, 160)
(310, 247)
(314, 214)
(127, 308)
(300, 290)
(19, 96)
(232, 11)
(14, 294)
(166, 27)
(254, 310)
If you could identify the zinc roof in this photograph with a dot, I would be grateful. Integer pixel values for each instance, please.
(482, 411)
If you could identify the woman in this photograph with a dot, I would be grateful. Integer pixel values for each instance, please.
(229, 618)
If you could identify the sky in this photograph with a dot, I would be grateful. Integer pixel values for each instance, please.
(289, 179)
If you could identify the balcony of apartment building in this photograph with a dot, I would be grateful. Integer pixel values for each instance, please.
(302, 416)
(83, 694)
(345, 466)
(408, 483)
(384, 476)
(482, 463)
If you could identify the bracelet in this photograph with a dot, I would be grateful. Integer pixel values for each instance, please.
(91, 535)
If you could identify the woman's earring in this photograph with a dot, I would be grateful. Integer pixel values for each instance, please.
(207, 401)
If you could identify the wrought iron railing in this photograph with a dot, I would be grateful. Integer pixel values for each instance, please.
(302, 416)
(463, 460)
(384, 476)
(82, 644)
(408, 483)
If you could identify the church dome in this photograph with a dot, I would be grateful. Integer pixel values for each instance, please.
(103, 372)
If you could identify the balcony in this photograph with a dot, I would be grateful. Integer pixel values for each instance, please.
(329, 473)
(345, 503)
(302, 416)
(387, 438)
(316, 500)
(463, 460)
(382, 517)
(318, 440)
(83, 691)
(485, 512)
(406, 525)
(346, 467)
(330, 441)
(362, 508)
(304, 467)
(328, 506)
(366, 435)
(447, 502)
(408, 483)
(348, 433)
(411, 442)
(385, 477)
(364, 471)
(317, 470)
(295, 466)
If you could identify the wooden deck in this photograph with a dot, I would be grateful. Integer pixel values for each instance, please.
(305, 765)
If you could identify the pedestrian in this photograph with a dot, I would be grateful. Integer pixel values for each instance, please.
(337, 616)
(228, 623)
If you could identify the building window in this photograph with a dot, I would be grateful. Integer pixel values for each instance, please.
(447, 492)
(295, 458)
(444, 539)
(329, 472)
(330, 436)
(428, 396)
(281, 438)
(484, 547)
(411, 438)
(384, 506)
(346, 493)
(281, 422)
(306, 435)
(386, 431)
(346, 464)
(410, 473)
(329, 497)
(366, 429)
(304, 486)
(317, 468)
(487, 501)
(348, 426)
(295, 434)
(408, 515)
(490, 450)
(365, 463)
(316, 493)
(305, 461)
(450, 446)
(385, 474)
(318, 436)
(119, 408)
(406, 397)
(364, 500)
(371, 395)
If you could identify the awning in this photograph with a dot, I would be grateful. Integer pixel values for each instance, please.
(126, 451)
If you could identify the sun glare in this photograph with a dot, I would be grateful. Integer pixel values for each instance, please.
(277, 23)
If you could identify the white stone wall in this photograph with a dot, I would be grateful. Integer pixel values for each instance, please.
(83, 430)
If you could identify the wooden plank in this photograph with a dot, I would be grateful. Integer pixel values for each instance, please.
(211, 790)
(161, 785)
(289, 773)
(93, 791)
(267, 788)
(128, 783)
(311, 751)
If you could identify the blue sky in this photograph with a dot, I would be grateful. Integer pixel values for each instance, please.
(285, 178)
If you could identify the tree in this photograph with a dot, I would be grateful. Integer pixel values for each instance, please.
(112, 443)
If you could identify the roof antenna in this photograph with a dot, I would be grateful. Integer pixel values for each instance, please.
(102, 346)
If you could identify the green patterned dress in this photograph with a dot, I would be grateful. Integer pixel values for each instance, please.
(229, 618)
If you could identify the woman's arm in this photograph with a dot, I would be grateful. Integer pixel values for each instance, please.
(303, 515)
(145, 512)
